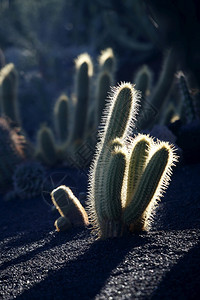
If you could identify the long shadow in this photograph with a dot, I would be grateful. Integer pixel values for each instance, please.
(183, 280)
(55, 240)
(83, 278)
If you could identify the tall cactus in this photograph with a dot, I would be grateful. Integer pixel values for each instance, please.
(84, 70)
(127, 177)
(8, 92)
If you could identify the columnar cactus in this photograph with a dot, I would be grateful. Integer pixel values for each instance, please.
(127, 177)
(47, 149)
(8, 92)
(61, 116)
(71, 211)
(107, 61)
(143, 80)
(84, 70)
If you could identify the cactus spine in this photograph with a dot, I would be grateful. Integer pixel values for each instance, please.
(71, 211)
(8, 92)
(126, 178)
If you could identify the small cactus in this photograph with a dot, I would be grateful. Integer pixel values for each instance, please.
(127, 177)
(71, 211)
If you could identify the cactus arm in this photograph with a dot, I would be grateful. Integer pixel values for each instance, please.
(152, 183)
(137, 163)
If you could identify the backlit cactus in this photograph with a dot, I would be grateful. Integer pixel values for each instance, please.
(107, 61)
(61, 117)
(127, 177)
(8, 92)
(47, 150)
(84, 70)
(71, 211)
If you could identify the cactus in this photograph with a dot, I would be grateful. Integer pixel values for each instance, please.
(127, 177)
(47, 150)
(8, 92)
(28, 179)
(143, 80)
(61, 115)
(104, 82)
(71, 211)
(107, 61)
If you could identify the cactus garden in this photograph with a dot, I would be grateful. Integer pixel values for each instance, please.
(99, 150)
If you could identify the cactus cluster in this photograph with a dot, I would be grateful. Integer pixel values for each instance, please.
(77, 117)
(71, 211)
(127, 176)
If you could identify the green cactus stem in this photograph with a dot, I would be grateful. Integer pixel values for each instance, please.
(69, 207)
(8, 92)
(149, 188)
(137, 162)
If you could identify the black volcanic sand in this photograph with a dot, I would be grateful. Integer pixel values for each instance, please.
(39, 263)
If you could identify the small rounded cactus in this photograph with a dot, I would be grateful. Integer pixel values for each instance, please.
(28, 179)
(71, 211)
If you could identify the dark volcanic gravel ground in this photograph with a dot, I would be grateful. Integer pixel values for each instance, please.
(38, 263)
